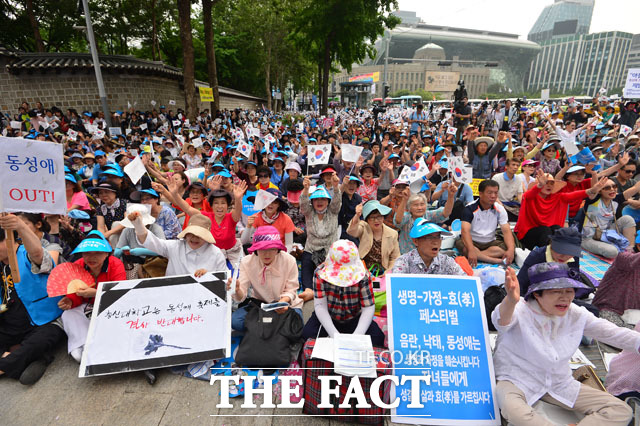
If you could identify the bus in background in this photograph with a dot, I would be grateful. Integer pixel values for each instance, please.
(410, 101)
(378, 101)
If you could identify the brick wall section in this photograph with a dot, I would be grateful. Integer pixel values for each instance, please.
(80, 91)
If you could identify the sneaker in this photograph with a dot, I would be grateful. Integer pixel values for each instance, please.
(33, 372)
(77, 354)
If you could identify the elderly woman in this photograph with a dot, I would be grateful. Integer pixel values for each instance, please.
(417, 208)
(110, 211)
(321, 214)
(97, 259)
(270, 273)
(537, 336)
(273, 215)
(378, 246)
(601, 223)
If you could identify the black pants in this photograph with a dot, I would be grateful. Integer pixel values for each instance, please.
(312, 326)
(538, 236)
(35, 343)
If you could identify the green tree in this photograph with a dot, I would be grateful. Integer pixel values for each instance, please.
(343, 31)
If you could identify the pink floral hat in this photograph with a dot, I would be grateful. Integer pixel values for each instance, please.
(266, 237)
(343, 266)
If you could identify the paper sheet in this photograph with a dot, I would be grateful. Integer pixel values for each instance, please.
(579, 360)
(606, 358)
(353, 355)
(323, 349)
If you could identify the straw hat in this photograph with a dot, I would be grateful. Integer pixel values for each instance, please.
(200, 226)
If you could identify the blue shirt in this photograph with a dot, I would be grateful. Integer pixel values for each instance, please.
(466, 195)
(415, 127)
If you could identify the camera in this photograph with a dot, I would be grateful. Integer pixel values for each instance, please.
(459, 93)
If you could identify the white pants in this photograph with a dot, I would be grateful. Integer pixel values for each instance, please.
(76, 325)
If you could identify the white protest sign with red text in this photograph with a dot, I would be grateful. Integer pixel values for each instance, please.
(31, 177)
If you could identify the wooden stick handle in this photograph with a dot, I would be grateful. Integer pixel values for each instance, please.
(11, 251)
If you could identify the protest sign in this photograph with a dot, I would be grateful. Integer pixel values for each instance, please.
(196, 142)
(143, 126)
(452, 131)
(45, 125)
(115, 131)
(327, 123)
(625, 130)
(474, 186)
(16, 125)
(32, 179)
(135, 169)
(350, 153)
(438, 329)
(162, 322)
(319, 154)
(176, 123)
(632, 86)
(206, 94)
(172, 102)
(72, 134)
(263, 199)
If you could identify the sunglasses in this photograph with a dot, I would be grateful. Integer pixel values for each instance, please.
(609, 188)
(629, 171)
(261, 175)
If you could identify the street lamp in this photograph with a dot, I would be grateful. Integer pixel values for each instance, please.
(96, 63)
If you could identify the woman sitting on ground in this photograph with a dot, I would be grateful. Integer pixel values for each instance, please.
(223, 223)
(537, 336)
(600, 222)
(271, 273)
(321, 213)
(413, 207)
(378, 243)
(96, 258)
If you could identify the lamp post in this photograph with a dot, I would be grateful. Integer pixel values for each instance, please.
(96, 63)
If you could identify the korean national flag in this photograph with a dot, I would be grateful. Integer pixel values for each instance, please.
(319, 154)
(244, 148)
(414, 172)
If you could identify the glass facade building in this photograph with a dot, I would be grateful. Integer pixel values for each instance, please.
(562, 18)
(588, 61)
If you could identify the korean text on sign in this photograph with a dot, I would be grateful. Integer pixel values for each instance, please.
(32, 176)
(437, 328)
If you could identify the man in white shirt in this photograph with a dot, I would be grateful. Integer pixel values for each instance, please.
(193, 253)
(511, 189)
(569, 134)
(480, 220)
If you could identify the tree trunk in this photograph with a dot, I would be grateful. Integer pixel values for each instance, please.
(154, 31)
(34, 26)
(320, 63)
(267, 77)
(325, 73)
(188, 62)
(211, 53)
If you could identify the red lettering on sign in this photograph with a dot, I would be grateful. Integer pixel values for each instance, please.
(32, 195)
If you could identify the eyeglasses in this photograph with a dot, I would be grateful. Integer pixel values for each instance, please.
(376, 218)
(629, 171)
(263, 175)
(431, 237)
(609, 188)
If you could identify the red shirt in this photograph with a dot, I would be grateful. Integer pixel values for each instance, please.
(537, 211)
(205, 208)
(114, 272)
(574, 206)
(283, 224)
(225, 232)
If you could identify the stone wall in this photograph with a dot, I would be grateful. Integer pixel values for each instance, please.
(80, 91)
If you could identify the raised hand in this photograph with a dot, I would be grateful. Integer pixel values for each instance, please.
(452, 189)
(239, 190)
(512, 286)
(215, 183)
(306, 183)
(359, 209)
